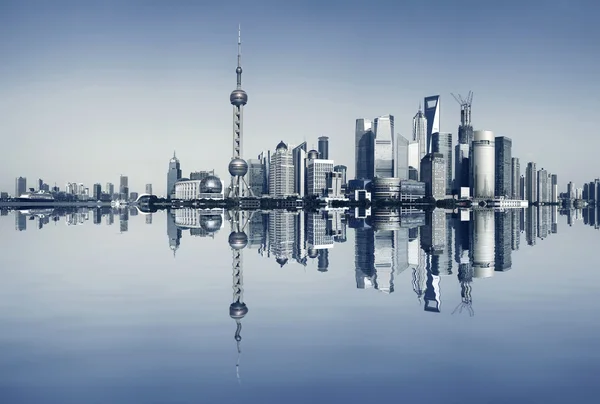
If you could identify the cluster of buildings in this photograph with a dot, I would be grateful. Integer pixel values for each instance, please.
(200, 184)
(74, 191)
(479, 166)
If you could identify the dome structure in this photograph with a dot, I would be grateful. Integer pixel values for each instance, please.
(313, 154)
(238, 310)
(211, 185)
(281, 146)
(238, 240)
(238, 97)
(211, 223)
(312, 252)
(238, 167)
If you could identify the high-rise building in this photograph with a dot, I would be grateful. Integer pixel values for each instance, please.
(123, 187)
(20, 186)
(503, 169)
(432, 115)
(531, 182)
(483, 241)
(515, 171)
(542, 186)
(343, 170)
(299, 154)
(402, 155)
(483, 155)
(433, 174)
(461, 166)
(420, 135)
(173, 175)
(97, 191)
(110, 189)
(281, 172)
(364, 149)
(149, 189)
(317, 171)
(256, 176)
(414, 161)
(383, 127)
(554, 192)
(323, 148)
(442, 143)
(522, 188)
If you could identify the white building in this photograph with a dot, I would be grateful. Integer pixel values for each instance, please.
(281, 172)
(317, 171)
(484, 159)
(208, 188)
(384, 146)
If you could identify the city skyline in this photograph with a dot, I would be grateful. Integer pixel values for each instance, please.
(78, 91)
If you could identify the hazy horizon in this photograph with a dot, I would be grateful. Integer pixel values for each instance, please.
(93, 90)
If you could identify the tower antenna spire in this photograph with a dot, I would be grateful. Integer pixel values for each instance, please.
(239, 58)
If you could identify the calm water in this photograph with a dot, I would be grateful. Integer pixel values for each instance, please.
(482, 307)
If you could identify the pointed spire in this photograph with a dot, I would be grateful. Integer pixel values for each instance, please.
(419, 106)
(174, 156)
(238, 70)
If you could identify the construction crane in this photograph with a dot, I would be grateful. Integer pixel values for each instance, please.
(465, 107)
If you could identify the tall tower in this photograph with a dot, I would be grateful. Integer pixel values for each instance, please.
(432, 114)
(238, 166)
(420, 132)
(173, 175)
(484, 161)
(324, 147)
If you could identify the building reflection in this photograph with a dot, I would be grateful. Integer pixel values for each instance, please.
(391, 247)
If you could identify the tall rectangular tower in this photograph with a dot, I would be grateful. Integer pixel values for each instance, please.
(433, 174)
(20, 186)
(531, 182)
(364, 149)
(432, 114)
(383, 127)
(503, 169)
(515, 169)
(442, 143)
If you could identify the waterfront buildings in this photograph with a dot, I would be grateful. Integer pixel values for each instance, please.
(210, 187)
(323, 148)
(542, 186)
(300, 154)
(317, 172)
(483, 155)
(109, 189)
(515, 170)
(343, 170)
(432, 116)
(20, 186)
(383, 127)
(503, 169)
(281, 172)
(364, 149)
(442, 143)
(461, 168)
(173, 175)
(554, 189)
(97, 191)
(124, 187)
(433, 174)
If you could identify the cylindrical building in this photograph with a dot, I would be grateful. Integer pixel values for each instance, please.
(484, 240)
(484, 159)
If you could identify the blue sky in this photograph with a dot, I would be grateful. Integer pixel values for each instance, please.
(91, 90)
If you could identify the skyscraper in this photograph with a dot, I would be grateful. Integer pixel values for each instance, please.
(317, 171)
(442, 143)
(554, 193)
(173, 175)
(149, 189)
(364, 149)
(256, 176)
(531, 182)
(402, 155)
(383, 127)
(462, 177)
(515, 169)
(324, 148)
(503, 169)
(433, 174)
(432, 115)
(281, 175)
(20, 186)
(124, 187)
(483, 156)
(542, 186)
(461, 166)
(97, 191)
(343, 170)
(420, 134)
(299, 155)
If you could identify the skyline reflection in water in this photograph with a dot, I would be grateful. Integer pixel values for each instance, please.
(303, 330)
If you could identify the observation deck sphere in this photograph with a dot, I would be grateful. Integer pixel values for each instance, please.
(238, 97)
(238, 240)
(238, 70)
(238, 310)
(211, 185)
(238, 167)
(211, 223)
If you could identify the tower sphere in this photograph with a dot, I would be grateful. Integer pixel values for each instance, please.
(211, 223)
(211, 185)
(238, 70)
(238, 310)
(238, 240)
(238, 97)
(238, 167)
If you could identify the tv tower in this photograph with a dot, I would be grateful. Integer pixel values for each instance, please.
(238, 167)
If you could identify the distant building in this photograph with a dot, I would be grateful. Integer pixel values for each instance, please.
(442, 143)
(364, 149)
(334, 185)
(149, 189)
(20, 186)
(173, 175)
(483, 163)
(133, 196)
(420, 135)
(299, 154)
(200, 175)
(554, 189)
(401, 158)
(256, 176)
(281, 173)
(515, 170)
(97, 191)
(109, 189)
(323, 148)
(433, 174)
(123, 187)
(461, 166)
(414, 161)
(531, 182)
(542, 186)
(503, 169)
(343, 170)
(317, 171)
(265, 160)
(383, 127)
